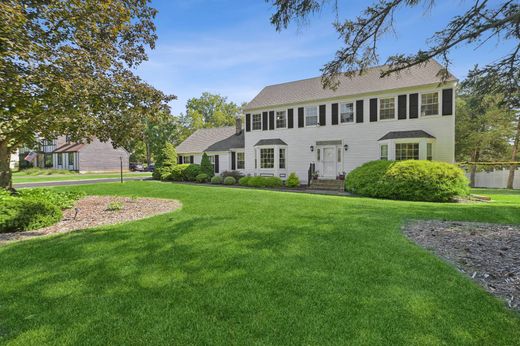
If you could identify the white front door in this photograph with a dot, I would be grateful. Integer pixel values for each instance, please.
(329, 163)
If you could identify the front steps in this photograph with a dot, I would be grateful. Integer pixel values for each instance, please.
(328, 185)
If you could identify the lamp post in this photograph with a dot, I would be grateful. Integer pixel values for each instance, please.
(121, 161)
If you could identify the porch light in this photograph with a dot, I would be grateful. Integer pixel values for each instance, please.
(345, 147)
(312, 148)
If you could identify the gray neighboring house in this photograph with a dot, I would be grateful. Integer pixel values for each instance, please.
(223, 145)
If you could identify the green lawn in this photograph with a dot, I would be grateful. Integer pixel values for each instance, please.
(19, 178)
(241, 266)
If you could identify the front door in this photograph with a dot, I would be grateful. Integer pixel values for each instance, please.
(329, 162)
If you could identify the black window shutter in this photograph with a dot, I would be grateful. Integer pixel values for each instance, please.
(192, 159)
(271, 120)
(359, 111)
(373, 109)
(233, 155)
(447, 101)
(301, 119)
(264, 121)
(216, 164)
(323, 117)
(179, 159)
(334, 114)
(414, 106)
(401, 107)
(248, 122)
(290, 118)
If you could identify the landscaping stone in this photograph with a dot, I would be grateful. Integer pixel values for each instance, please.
(93, 211)
(487, 253)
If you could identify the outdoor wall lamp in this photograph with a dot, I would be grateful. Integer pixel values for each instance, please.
(312, 148)
(345, 147)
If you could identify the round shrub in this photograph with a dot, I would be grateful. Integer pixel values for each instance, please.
(191, 172)
(202, 178)
(177, 172)
(216, 180)
(293, 181)
(412, 180)
(230, 181)
(24, 214)
(244, 181)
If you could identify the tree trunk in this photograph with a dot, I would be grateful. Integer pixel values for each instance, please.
(5, 166)
(148, 154)
(512, 168)
(474, 158)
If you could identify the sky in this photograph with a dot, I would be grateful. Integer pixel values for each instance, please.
(229, 47)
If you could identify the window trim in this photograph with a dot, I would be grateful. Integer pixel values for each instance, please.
(243, 160)
(317, 116)
(253, 122)
(353, 112)
(439, 103)
(379, 107)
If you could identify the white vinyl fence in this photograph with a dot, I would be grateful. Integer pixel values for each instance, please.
(496, 179)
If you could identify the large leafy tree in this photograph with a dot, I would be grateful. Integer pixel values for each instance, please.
(66, 68)
(209, 110)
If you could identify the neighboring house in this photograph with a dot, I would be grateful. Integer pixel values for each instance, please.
(15, 158)
(95, 156)
(300, 127)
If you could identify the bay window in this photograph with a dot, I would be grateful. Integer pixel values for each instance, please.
(267, 158)
(429, 151)
(383, 152)
(281, 159)
(406, 151)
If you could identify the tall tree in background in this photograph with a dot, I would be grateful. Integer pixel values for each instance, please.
(66, 68)
(481, 21)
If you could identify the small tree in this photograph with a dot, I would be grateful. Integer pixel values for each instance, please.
(206, 166)
(165, 163)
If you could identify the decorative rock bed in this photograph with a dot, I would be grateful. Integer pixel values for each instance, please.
(94, 211)
(487, 253)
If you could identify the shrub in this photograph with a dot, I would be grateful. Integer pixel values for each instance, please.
(202, 178)
(24, 214)
(411, 180)
(292, 181)
(62, 200)
(244, 181)
(235, 174)
(230, 181)
(216, 179)
(206, 166)
(262, 182)
(165, 163)
(115, 206)
(177, 173)
(191, 172)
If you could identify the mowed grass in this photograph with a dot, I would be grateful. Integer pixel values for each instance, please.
(242, 266)
(20, 178)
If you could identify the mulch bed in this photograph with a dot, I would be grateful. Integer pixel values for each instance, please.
(92, 212)
(487, 253)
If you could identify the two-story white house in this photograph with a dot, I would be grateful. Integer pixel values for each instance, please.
(300, 126)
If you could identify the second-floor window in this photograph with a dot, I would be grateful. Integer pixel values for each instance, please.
(311, 116)
(387, 108)
(430, 104)
(257, 121)
(281, 120)
(347, 112)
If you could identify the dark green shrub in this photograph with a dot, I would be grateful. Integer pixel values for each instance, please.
(216, 179)
(244, 181)
(230, 181)
(411, 180)
(264, 182)
(206, 166)
(165, 163)
(202, 178)
(292, 181)
(24, 214)
(62, 200)
(191, 172)
(177, 173)
(235, 174)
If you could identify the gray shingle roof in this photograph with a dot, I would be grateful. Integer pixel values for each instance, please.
(406, 134)
(232, 142)
(273, 141)
(312, 89)
(201, 139)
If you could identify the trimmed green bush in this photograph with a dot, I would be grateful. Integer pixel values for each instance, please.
(412, 180)
(165, 163)
(262, 182)
(235, 174)
(24, 214)
(244, 181)
(185, 172)
(62, 200)
(293, 181)
(230, 181)
(206, 166)
(202, 178)
(216, 180)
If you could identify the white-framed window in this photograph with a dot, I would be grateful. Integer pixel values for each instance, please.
(383, 149)
(281, 119)
(240, 160)
(387, 108)
(430, 104)
(406, 151)
(429, 151)
(60, 159)
(281, 158)
(347, 112)
(71, 159)
(311, 116)
(257, 121)
(186, 159)
(267, 158)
